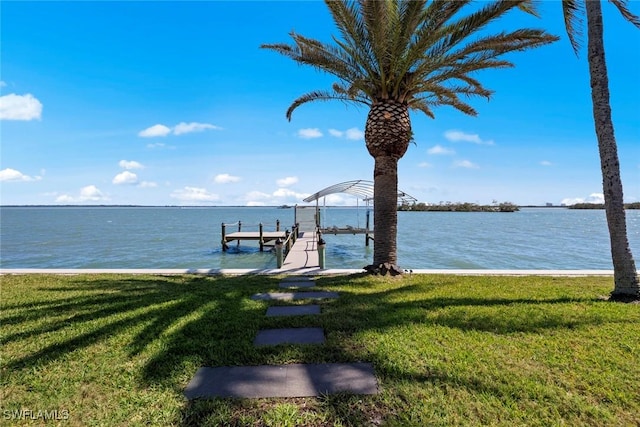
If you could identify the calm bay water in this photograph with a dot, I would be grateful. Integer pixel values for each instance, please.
(171, 237)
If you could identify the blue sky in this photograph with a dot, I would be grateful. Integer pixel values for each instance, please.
(173, 103)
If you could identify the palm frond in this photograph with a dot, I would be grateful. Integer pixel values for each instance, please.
(530, 7)
(420, 53)
(320, 95)
(467, 25)
(626, 13)
(573, 11)
(355, 38)
(421, 105)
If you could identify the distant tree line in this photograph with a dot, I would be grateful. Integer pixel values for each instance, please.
(635, 205)
(459, 207)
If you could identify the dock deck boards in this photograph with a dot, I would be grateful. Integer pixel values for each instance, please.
(255, 235)
(303, 253)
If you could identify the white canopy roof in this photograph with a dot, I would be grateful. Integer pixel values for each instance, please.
(360, 188)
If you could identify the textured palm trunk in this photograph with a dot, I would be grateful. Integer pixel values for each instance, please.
(625, 274)
(385, 211)
(387, 135)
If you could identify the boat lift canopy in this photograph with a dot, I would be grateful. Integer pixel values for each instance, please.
(360, 188)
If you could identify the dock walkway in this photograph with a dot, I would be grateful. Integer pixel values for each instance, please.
(303, 254)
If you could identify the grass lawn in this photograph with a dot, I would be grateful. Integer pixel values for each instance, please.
(448, 350)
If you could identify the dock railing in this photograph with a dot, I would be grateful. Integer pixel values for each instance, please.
(264, 237)
(284, 246)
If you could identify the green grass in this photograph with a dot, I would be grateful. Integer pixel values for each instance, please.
(447, 350)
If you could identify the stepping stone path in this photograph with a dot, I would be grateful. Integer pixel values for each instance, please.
(292, 310)
(293, 380)
(288, 296)
(297, 284)
(289, 336)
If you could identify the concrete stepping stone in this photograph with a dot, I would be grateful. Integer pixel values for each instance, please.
(294, 380)
(293, 310)
(288, 284)
(289, 336)
(287, 296)
(298, 279)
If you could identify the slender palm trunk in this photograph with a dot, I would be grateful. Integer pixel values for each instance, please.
(387, 135)
(385, 214)
(625, 274)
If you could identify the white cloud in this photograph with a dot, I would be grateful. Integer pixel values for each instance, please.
(353, 134)
(194, 194)
(20, 107)
(130, 164)
(459, 136)
(2, 83)
(546, 163)
(424, 165)
(593, 198)
(465, 164)
(285, 182)
(179, 129)
(125, 177)
(155, 131)
(9, 174)
(309, 133)
(160, 145)
(90, 193)
(439, 149)
(147, 184)
(340, 200)
(256, 198)
(225, 178)
(278, 197)
(193, 127)
(286, 193)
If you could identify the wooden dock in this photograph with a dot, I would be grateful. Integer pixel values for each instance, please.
(303, 254)
(300, 248)
(264, 238)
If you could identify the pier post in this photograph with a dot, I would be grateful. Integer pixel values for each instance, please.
(224, 240)
(287, 233)
(321, 250)
(279, 257)
(277, 225)
(261, 239)
(366, 236)
(239, 230)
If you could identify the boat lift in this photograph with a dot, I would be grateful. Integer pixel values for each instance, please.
(363, 190)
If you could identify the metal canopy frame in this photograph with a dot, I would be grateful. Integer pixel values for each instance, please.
(360, 188)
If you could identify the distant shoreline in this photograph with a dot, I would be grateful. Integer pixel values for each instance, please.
(588, 206)
(213, 206)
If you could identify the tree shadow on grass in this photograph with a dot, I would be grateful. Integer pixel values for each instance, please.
(416, 303)
(193, 321)
(191, 316)
(376, 309)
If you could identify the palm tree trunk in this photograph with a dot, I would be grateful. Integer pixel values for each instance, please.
(385, 215)
(387, 135)
(625, 274)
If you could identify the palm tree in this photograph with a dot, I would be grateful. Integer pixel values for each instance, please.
(399, 55)
(626, 284)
